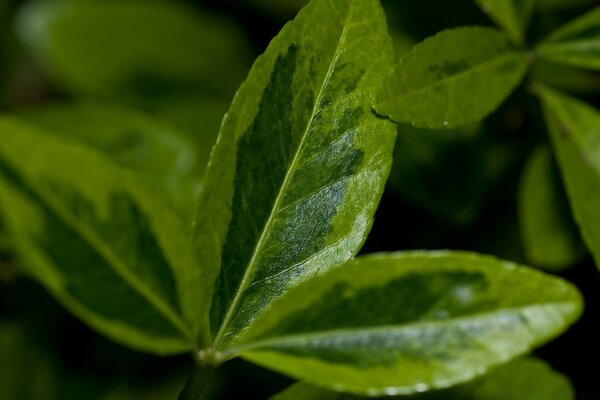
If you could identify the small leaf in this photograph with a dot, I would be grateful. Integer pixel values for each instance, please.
(133, 48)
(104, 244)
(511, 15)
(300, 162)
(577, 43)
(576, 140)
(408, 322)
(550, 236)
(522, 379)
(165, 156)
(454, 78)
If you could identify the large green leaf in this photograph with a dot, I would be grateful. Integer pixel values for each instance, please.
(577, 43)
(522, 379)
(300, 162)
(104, 244)
(134, 47)
(550, 236)
(574, 127)
(167, 157)
(512, 15)
(454, 78)
(408, 322)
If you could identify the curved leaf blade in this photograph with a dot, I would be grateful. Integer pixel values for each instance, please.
(522, 379)
(408, 322)
(454, 78)
(102, 243)
(550, 236)
(573, 126)
(300, 162)
(577, 43)
(511, 15)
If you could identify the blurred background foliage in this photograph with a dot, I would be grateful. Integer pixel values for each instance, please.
(147, 82)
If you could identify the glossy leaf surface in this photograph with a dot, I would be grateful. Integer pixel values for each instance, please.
(300, 162)
(522, 379)
(165, 156)
(576, 139)
(577, 43)
(134, 47)
(451, 79)
(511, 15)
(407, 322)
(105, 245)
(550, 236)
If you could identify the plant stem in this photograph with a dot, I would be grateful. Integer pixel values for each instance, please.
(196, 387)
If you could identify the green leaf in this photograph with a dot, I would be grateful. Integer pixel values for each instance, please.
(103, 243)
(300, 162)
(550, 236)
(577, 43)
(576, 140)
(409, 322)
(134, 47)
(522, 379)
(162, 154)
(511, 15)
(454, 78)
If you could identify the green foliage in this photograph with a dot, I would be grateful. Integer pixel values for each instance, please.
(576, 43)
(511, 15)
(165, 156)
(550, 236)
(575, 138)
(467, 313)
(116, 201)
(522, 379)
(133, 47)
(304, 206)
(455, 78)
(140, 285)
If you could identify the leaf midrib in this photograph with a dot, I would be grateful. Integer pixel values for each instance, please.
(247, 276)
(115, 261)
(239, 349)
